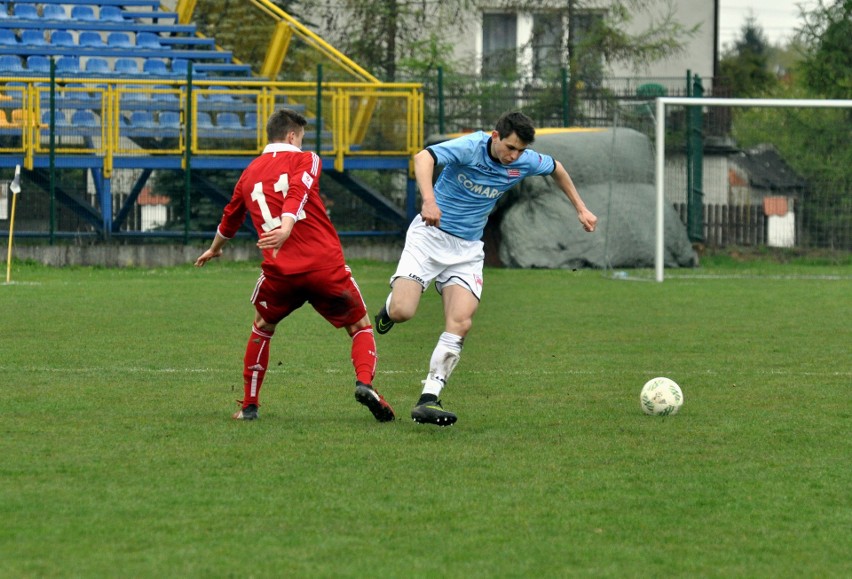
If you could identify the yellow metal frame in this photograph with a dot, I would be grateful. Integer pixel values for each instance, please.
(285, 28)
(348, 110)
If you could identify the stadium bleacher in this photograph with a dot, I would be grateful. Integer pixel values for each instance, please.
(98, 46)
(108, 29)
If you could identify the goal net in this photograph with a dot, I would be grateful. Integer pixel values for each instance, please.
(754, 172)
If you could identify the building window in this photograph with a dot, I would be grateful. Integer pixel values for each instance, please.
(499, 43)
(546, 44)
(589, 59)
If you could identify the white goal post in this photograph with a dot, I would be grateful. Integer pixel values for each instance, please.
(660, 126)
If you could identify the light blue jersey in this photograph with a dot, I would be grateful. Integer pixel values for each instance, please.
(472, 181)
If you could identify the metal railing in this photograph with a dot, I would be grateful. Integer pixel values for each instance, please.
(108, 118)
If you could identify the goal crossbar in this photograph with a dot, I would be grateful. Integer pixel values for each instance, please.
(660, 122)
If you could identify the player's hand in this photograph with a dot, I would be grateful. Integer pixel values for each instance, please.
(273, 240)
(588, 219)
(431, 213)
(207, 256)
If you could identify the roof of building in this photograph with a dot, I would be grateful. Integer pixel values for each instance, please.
(767, 169)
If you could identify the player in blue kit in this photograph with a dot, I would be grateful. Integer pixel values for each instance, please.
(444, 244)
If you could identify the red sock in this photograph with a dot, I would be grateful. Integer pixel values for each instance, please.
(255, 363)
(364, 355)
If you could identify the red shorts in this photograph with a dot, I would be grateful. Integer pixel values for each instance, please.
(332, 292)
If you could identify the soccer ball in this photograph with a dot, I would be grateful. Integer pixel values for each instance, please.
(661, 397)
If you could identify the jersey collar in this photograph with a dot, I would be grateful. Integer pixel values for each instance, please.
(280, 148)
(488, 150)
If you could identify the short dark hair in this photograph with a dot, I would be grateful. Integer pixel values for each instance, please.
(518, 123)
(282, 122)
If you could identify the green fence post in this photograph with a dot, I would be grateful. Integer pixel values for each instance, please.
(689, 153)
(566, 118)
(695, 201)
(52, 155)
(441, 100)
(319, 109)
(187, 175)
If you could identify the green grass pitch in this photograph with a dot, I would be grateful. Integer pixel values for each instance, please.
(118, 456)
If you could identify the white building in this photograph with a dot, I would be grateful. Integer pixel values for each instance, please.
(537, 34)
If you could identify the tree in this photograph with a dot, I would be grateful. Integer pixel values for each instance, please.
(391, 38)
(815, 142)
(745, 67)
(826, 35)
(381, 34)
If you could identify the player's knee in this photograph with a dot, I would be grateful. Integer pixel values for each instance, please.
(459, 327)
(401, 312)
(264, 326)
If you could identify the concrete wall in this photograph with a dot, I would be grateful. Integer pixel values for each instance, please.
(156, 255)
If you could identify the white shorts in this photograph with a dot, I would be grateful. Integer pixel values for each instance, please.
(431, 254)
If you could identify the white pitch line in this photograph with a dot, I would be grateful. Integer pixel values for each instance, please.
(500, 372)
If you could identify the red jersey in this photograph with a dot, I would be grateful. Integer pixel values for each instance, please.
(283, 180)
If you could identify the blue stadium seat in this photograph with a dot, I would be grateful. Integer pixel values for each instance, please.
(59, 118)
(62, 38)
(31, 37)
(38, 63)
(84, 118)
(166, 99)
(4, 11)
(26, 11)
(250, 121)
(68, 65)
(169, 124)
(10, 63)
(96, 65)
(8, 38)
(142, 119)
(126, 66)
(170, 120)
(136, 98)
(89, 39)
(179, 66)
(155, 66)
(119, 40)
(83, 13)
(77, 95)
(148, 40)
(228, 121)
(110, 14)
(220, 96)
(204, 121)
(54, 12)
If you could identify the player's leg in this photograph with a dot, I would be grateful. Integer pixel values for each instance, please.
(401, 304)
(273, 300)
(255, 363)
(338, 299)
(460, 286)
(364, 361)
(459, 307)
(416, 269)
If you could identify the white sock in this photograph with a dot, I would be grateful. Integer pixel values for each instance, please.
(445, 356)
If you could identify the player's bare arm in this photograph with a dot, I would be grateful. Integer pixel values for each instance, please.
(215, 250)
(424, 166)
(587, 219)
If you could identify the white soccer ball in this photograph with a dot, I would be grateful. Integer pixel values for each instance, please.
(661, 397)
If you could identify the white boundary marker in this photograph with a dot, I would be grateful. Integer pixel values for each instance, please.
(660, 122)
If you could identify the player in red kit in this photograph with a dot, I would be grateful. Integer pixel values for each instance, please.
(302, 259)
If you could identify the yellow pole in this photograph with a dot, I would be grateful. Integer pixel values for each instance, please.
(15, 188)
